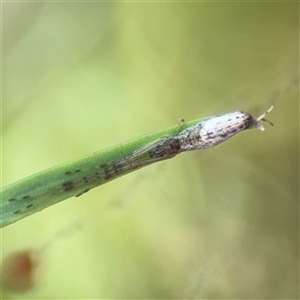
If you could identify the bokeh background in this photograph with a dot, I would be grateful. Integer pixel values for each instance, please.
(219, 223)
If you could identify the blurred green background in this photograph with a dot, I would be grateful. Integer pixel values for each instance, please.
(218, 223)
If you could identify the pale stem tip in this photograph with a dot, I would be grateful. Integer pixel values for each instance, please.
(262, 118)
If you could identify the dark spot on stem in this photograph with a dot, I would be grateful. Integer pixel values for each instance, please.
(85, 191)
(115, 168)
(69, 188)
(68, 185)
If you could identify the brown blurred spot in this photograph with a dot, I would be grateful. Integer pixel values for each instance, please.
(18, 271)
